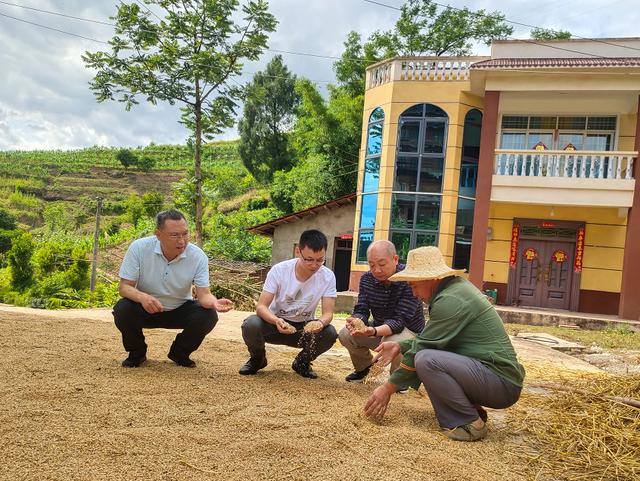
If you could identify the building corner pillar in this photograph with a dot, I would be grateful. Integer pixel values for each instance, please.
(629, 299)
(483, 187)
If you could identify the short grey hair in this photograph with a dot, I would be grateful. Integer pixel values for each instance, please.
(170, 214)
(389, 247)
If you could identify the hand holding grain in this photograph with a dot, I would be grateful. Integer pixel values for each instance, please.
(313, 326)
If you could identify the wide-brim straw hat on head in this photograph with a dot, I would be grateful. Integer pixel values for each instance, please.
(425, 263)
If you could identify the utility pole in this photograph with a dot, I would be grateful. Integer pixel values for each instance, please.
(96, 234)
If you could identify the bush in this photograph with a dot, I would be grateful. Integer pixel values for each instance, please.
(127, 158)
(20, 262)
(152, 202)
(7, 220)
(6, 237)
(146, 163)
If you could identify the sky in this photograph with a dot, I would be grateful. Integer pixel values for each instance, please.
(45, 101)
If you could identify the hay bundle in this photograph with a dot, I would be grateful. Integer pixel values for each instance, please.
(584, 429)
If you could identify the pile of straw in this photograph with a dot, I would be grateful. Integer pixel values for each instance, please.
(586, 428)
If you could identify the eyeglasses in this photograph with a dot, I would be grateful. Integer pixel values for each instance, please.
(177, 236)
(311, 260)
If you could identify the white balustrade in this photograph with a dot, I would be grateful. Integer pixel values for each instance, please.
(562, 163)
(420, 69)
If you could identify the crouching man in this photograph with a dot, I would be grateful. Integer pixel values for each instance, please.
(156, 279)
(286, 308)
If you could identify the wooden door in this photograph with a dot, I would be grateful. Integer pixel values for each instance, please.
(544, 274)
(557, 275)
(528, 273)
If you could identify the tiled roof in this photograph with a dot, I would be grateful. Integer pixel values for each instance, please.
(518, 63)
(268, 228)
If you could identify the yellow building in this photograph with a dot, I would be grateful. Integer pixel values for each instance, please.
(519, 166)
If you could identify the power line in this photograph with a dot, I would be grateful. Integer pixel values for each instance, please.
(521, 24)
(57, 13)
(53, 29)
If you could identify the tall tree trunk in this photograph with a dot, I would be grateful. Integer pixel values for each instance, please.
(198, 167)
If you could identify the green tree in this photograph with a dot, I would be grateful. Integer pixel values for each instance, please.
(19, 258)
(135, 209)
(548, 34)
(146, 163)
(270, 102)
(7, 220)
(152, 203)
(127, 158)
(423, 30)
(188, 57)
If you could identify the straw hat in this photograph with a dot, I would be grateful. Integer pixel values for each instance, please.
(425, 263)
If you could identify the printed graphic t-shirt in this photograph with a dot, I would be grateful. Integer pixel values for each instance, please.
(294, 300)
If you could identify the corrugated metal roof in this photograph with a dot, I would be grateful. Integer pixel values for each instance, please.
(517, 63)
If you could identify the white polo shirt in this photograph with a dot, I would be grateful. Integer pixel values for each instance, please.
(169, 282)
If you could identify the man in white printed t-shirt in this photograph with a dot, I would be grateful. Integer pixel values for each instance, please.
(286, 308)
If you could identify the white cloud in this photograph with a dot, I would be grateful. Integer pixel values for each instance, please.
(45, 101)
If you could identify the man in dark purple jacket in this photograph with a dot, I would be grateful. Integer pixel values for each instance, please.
(396, 313)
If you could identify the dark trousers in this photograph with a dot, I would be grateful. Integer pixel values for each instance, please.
(455, 384)
(256, 332)
(196, 322)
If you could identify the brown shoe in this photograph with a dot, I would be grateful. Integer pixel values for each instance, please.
(466, 432)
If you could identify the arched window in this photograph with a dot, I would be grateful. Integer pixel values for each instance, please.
(419, 169)
(369, 200)
(467, 189)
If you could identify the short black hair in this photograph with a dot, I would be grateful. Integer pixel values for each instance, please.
(313, 239)
(169, 214)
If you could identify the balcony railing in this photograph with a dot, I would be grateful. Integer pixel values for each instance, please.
(561, 163)
(420, 69)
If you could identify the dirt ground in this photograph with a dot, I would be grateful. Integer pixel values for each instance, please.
(68, 411)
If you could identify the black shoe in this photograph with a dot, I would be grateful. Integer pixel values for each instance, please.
(183, 361)
(358, 376)
(252, 366)
(134, 361)
(304, 369)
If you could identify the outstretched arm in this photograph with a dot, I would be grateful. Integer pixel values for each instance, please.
(209, 301)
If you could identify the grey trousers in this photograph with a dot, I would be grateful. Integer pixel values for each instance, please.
(359, 347)
(455, 384)
(256, 332)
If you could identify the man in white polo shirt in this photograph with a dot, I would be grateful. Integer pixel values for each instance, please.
(155, 282)
(286, 308)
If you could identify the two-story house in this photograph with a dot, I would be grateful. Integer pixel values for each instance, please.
(519, 166)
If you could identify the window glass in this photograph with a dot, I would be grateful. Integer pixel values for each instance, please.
(428, 212)
(377, 114)
(515, 122)
(402, 210)
(434, 111)
(597, 142)
(374, 143)
(409, 132)
(402, 241)
(371, 174)
(434, 137)
(535, 137)
(513, 140)
(365, 238)
(464, 230)
(568, 138)
(415, 111)
(542, 122)
(572, 123)
(368, 213)
(471, 134)
(468, 178)
(426, 239)
(431, 170)
(601, 123)
(406, 174)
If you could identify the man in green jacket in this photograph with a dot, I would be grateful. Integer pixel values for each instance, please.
(463, 357)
